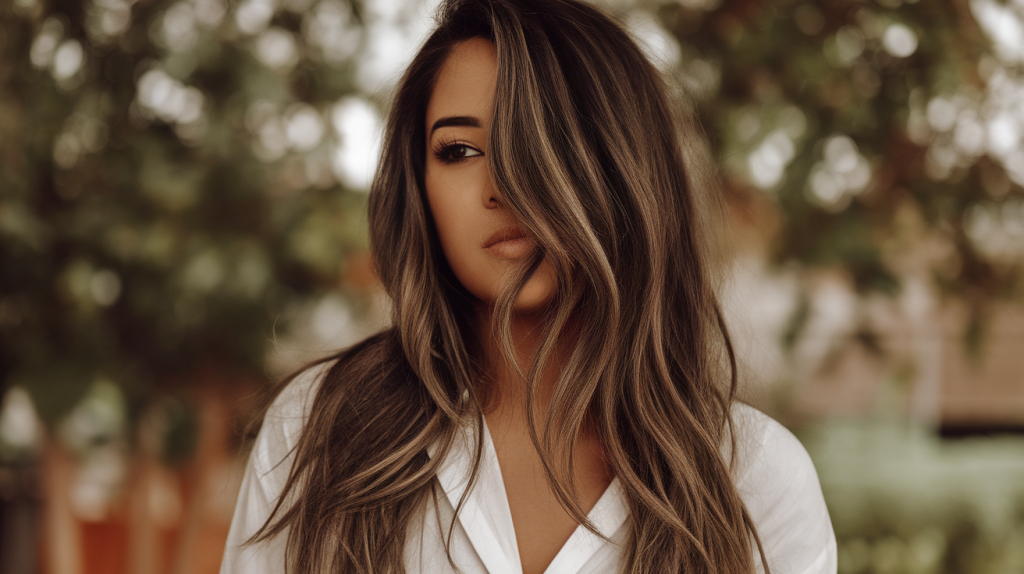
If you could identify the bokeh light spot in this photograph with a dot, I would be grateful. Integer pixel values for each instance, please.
(899, 40)
(276, 48)
(358, 125)
(105, 287)
(304, 127)
(68, 59)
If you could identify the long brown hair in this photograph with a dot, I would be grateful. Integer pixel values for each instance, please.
(588, 155)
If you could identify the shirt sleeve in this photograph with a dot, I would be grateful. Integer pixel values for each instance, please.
(265, 475)
(777, 481)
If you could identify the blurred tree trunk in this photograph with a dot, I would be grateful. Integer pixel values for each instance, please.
(61, 534)
(919, 300)
(19, 519)
(204, 529)
(145, 554)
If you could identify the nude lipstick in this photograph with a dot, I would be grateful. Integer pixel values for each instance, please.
(509, 243)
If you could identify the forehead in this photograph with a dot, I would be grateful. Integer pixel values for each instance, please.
(465, 84)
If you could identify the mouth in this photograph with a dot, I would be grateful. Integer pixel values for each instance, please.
(509, 243)
(510, 233)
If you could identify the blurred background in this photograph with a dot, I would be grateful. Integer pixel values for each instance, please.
(182, 220)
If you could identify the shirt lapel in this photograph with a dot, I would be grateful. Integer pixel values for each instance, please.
(485, 515)
(608, 515)
(487, 519)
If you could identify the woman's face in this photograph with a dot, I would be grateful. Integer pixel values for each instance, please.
(480, 238)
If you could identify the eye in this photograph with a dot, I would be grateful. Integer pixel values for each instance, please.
(454, 152)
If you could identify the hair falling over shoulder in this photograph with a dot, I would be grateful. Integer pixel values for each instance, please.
(591, 158)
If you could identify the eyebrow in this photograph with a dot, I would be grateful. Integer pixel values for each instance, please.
(465, 121)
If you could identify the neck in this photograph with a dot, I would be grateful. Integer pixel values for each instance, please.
(506, 386)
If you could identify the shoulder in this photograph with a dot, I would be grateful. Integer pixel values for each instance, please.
(367, 364)
(284, 420)
(777, 481)
(267, 473)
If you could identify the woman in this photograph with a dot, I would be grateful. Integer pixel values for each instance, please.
(550, 397)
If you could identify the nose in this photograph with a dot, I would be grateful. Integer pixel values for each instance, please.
(490, 198)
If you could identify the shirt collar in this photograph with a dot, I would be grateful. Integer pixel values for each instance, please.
(487, 520)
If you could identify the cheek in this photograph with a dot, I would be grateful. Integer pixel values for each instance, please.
(445, 206)
(462, 223)
(446, 225)
(454, 219)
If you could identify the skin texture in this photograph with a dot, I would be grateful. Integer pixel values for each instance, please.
(466, 208)
(467, 211)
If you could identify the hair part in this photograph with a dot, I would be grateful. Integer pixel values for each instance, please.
(588, 155)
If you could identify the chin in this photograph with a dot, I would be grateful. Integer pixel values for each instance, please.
(538, 292)
(527, 304)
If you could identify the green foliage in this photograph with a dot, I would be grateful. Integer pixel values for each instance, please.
(145, 233)
(170, 183)
(903, 501)
(830, 109)
(181, 432)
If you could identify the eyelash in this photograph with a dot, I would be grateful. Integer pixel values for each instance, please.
(443, 150)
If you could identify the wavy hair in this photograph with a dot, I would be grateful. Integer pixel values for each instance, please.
(590, 157)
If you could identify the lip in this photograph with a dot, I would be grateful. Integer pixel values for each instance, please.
(509, 243)
(510, 233)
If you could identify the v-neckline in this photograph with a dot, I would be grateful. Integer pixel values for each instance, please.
(486, 515)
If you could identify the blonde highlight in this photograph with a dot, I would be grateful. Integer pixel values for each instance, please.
(588, 155)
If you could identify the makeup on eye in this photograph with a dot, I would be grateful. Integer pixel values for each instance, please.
(453, 151)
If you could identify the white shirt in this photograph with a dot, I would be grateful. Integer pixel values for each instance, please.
(773, 474)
